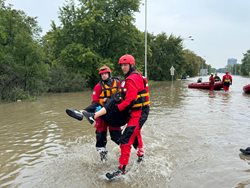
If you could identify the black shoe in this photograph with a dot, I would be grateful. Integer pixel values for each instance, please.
(89, 116)
(245, 151)
(140, 159)
(116, 174)
(74, 113)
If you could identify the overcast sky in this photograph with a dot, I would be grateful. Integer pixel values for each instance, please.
(220, 28)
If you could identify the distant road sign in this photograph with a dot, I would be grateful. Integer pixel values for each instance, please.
(172, 69)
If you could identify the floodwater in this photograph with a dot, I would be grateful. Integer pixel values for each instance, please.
(192, 139)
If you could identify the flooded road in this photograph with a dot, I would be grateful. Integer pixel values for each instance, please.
(192, 139)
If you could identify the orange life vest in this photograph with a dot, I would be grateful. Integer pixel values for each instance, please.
(108, 91)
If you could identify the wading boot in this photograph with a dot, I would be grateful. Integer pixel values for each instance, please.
(121, 171)
(103, 153)
(140, 159)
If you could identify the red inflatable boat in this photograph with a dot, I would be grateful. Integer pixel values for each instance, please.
(205, 85)
(246, 88)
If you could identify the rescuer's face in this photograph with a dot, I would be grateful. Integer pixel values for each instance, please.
(125, 68)
(105, 76)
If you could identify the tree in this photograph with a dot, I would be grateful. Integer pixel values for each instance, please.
(166, 52)
(23, 73)
(245, 67)
(101, 29)
(192, 65)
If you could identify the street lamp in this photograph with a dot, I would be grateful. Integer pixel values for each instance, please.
(146, 74)
(189, 38)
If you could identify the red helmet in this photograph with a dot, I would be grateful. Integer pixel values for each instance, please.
(127, 59)
(104, 69)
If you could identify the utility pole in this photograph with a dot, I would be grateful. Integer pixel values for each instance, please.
(146, 71)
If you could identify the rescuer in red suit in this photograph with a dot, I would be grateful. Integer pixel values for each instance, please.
(227, 81)
(211, 82)
(135, 90)
(102, 91)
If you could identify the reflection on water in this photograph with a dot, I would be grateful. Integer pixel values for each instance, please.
(192, 139)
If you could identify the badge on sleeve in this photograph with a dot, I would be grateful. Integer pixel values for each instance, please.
(123, 83)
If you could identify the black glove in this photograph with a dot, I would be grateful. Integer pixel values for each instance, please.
(116, 97)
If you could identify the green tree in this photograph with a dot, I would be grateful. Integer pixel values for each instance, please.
(166, 52)
(23, 72)
(245, 67)
(193, 63)
(102, 29)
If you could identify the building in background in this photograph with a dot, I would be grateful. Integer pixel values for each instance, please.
(232, 65)
(231, 62)
(203, 72)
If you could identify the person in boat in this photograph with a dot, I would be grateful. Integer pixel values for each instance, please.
(135, 98)
(227, 81)
(217, 78)
(184, 77)
(211, 82)
(102, 91)
(199, 80)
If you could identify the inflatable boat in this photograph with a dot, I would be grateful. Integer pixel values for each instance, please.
(246, 88)
(205, 85)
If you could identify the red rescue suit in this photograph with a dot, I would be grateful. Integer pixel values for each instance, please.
(101, 91)
(137, 100)
(211, 83)
(227, 81)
